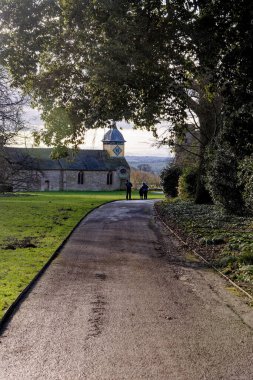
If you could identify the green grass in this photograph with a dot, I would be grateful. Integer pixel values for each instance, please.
(226, 239)
(33, 226)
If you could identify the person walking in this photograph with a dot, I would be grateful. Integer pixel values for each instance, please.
(145, 190)
(141, 193)
(128, 189)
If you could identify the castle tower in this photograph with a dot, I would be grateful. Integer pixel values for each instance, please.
(114, 142)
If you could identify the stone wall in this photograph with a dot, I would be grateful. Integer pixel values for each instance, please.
(58, 180)
(51, 180)
(93, 180)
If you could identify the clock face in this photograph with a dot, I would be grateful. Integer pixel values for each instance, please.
(117, 150)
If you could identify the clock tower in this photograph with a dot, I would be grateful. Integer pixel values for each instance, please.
(114, 142)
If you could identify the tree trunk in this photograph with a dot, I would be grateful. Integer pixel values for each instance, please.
(208, 127)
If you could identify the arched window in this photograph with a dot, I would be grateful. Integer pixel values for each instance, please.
(109, 178)
(80, 178)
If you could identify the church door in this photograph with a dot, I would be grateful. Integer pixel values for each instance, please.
(122, 184)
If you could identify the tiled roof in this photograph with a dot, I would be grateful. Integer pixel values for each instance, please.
(89, 160)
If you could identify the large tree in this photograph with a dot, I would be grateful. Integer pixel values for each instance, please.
(233, 145)
(11, 123)
(11, 103)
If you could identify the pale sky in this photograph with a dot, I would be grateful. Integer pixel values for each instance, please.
(138, 142)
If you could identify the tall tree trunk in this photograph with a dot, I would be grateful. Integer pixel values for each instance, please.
(208, 125)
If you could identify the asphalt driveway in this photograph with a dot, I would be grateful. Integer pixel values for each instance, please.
(122, 301)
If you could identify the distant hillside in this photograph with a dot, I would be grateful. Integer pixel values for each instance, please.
(156, 163)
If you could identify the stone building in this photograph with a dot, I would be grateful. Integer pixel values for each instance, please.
(94, 170)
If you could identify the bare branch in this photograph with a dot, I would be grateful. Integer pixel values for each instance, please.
(187, 150)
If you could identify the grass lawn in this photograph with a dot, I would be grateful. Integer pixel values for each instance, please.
(33, 226)
(225, 240)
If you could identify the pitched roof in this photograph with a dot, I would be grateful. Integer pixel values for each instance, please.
(113, 135)
(89, 160)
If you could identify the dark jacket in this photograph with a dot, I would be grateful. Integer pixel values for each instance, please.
(128, 185)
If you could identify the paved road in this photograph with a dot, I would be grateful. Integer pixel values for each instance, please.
(121, 302)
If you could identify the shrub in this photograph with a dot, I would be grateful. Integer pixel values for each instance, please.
(226, 261)
(246, 258)
(222, 179)
(187, 183)
(5, 188)
(246, 180)
(169, 180)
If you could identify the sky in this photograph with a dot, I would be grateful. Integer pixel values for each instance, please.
(138, 142)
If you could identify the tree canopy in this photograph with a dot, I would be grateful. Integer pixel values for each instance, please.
(86, 63)
(100, 60)
(11, 103)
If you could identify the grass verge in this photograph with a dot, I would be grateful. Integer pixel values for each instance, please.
(33, 226)
(224, 240)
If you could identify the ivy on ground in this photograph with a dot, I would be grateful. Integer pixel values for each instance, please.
(223, 239)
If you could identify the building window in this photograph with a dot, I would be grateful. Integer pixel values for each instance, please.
(80, 178)
(109, 178)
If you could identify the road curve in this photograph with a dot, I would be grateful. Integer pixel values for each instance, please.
(123, 301)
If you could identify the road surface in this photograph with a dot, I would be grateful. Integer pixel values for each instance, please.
(123, 301)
